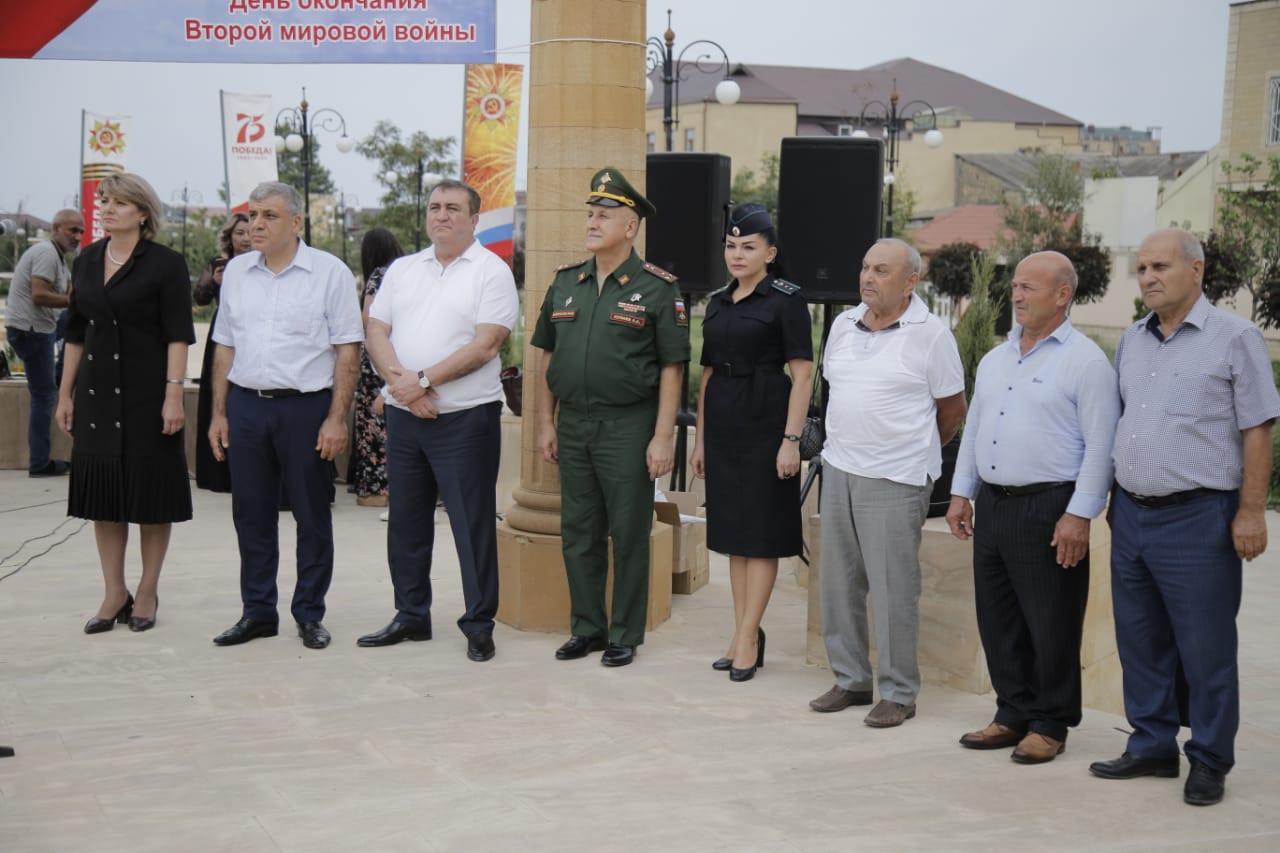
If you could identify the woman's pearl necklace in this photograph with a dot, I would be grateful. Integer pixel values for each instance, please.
(112, 257)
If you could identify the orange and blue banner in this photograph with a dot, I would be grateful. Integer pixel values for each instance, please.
(490, 133)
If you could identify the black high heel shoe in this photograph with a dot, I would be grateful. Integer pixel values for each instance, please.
(722, 664)
(97, 626)
(144, 623)
(747, 674)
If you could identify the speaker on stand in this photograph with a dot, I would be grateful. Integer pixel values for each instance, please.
(686, 238)
(829, 216)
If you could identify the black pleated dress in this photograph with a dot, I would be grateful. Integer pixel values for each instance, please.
(750, 512)
(123, 468)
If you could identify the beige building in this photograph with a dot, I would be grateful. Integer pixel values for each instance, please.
(779, 101)
(1251, 94)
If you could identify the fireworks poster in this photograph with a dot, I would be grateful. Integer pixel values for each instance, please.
(103, 145)
(491, 129)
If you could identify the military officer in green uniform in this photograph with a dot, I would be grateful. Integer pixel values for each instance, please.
(615, 332)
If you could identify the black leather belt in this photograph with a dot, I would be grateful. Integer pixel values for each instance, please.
(1162, 501)
(728, 368)
(1028, 489)
(272, 393)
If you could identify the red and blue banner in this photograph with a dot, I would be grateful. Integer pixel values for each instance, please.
(490, 133)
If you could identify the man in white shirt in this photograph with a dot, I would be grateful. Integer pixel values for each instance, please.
(38, 293)
(434, 333)
(284, 373)
(896, 396)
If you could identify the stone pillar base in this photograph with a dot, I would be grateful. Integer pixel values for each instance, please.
(535, 590)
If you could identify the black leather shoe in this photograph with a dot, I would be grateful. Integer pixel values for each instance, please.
(618, 654)
(394, 633)
(138, 624)
(480, 646)
(1130, 766)
(244, 631)
(97, 626)
(722, 664)
(1205, 786)
(314, 635)
(579, 647)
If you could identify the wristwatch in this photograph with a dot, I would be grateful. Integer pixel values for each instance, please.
(423, 381)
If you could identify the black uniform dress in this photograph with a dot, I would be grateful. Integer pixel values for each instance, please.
(123, 468)
(750, 512)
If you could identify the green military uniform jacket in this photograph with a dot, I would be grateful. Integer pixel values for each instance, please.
(610, 343)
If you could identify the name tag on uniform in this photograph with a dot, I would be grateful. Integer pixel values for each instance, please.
(631, 307)
(636, 321)
(563, 314)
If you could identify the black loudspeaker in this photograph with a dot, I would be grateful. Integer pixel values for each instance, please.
(686, 236)
(829, 212)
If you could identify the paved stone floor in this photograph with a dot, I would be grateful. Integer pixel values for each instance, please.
(163, 742)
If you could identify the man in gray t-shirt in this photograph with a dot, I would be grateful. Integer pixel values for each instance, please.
(38, 293)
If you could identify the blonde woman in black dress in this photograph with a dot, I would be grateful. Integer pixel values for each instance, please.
(128, 329)
(750, 414)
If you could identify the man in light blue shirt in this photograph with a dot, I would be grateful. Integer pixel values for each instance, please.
(1036, 455)
(283, 377)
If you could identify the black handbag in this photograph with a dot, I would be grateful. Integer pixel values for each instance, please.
(814, 434)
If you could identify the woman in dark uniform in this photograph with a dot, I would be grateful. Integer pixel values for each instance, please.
(750, 415)
(233, 240)
(128, 329)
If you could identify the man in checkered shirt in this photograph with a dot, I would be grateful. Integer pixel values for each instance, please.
(1192, 466)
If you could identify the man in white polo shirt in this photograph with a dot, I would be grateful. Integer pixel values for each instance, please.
(896, 396)
(434, 332)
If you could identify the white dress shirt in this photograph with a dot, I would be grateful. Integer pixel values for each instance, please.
(285, 325)
(433, 311)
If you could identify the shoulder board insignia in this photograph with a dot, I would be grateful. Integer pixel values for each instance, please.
(659, 272)
(717, 291)
(563, 267)
(783, 286)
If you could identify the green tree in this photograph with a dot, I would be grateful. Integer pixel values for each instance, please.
(746, 188)
(289, 166)
(395, 154)
(1049, 218)
(976, 331)
(951, 269)
(202, 226)
(1244, 250)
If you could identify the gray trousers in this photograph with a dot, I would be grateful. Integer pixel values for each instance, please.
(871, 543)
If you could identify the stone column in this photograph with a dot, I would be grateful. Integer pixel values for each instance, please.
(586, 111)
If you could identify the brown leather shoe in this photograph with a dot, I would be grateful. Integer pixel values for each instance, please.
(994, 736)
(1036, 748)
(886, 714)
(837, 699)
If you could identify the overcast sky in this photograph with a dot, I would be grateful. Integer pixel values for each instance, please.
(1144, 63)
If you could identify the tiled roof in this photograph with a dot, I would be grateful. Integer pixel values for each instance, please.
(979, 224)
(838, 93)
(1016, 170)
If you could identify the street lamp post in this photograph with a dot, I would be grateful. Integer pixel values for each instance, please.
(299, 139)
(186, 195)
(660, 54)
(894, 120)
(425, 181)
(340, 219)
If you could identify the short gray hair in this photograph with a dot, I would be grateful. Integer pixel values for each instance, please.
(910, 255)
(292, 198)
